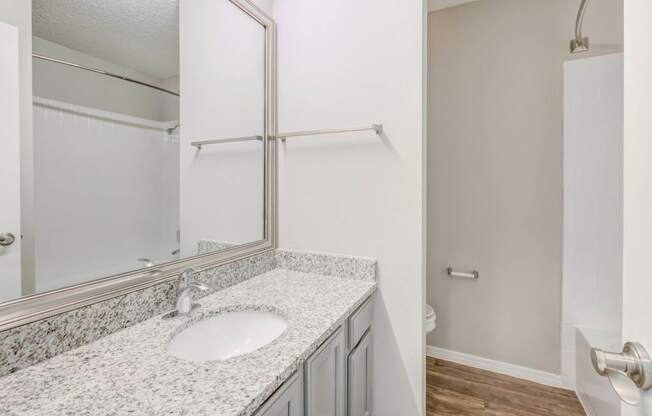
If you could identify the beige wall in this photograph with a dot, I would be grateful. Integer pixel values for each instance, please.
(495, 172)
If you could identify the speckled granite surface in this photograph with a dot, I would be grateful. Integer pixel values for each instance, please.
(362, 268)
(130, 373)
(236, 272)
(29, 344)
(211, 246)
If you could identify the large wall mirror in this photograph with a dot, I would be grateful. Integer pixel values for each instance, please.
(149, 150)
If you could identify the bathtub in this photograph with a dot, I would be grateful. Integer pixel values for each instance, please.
(595, 392)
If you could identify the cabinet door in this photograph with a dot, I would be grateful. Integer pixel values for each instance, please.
(325, 377)
(360, 380)
(288, 399)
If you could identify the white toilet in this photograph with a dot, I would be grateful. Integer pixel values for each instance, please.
(431, 317)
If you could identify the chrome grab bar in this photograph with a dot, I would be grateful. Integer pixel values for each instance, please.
(463, 275)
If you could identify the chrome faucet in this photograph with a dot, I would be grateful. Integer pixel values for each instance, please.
(184, 300)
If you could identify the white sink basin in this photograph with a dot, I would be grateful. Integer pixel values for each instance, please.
(227, 335)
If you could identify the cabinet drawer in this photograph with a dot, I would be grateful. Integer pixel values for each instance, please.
(359, 322)
(287, 400)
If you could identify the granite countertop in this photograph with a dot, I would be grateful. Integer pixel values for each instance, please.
(129, 372)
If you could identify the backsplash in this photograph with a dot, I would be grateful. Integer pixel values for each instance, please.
(29, 344)
(362, 268)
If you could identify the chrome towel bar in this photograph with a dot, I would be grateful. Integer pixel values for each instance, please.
(198, 144)
(463, 275)
(378, 128)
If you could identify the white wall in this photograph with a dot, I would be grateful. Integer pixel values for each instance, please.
(348, 63)
(96, 179)
(222, 78)
(593, 198)
(19, 13)
(63, 83)
(106, 193)
(637, 238)
(266, 6)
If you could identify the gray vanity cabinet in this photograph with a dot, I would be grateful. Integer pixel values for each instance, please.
(336, 379)
(360, 381)
(288, 399)
(325, 378)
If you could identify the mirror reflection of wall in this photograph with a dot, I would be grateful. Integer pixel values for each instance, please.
(227, 89)
(117, 185)
(106, 171)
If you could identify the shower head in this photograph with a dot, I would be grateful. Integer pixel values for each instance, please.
(580, 43)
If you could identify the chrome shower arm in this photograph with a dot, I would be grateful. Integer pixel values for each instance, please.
(580, 20)
(580, 43)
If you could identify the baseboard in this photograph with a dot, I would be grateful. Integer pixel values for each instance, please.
(525, 373)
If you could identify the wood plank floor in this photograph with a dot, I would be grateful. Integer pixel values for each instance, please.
(454, 389)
